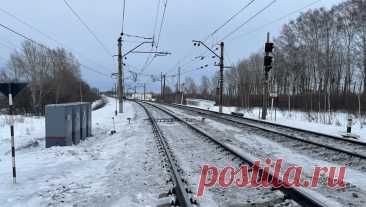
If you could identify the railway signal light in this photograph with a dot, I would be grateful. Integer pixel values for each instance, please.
(268, 60)
(269, 47)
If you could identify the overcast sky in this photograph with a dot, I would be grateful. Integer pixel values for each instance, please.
(185, 20)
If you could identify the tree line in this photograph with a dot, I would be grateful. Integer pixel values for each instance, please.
(319, 64)
(53, 77)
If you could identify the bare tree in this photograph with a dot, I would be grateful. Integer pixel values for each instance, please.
(53, 76)
(320, 63)
(191, 87)
(205, 87)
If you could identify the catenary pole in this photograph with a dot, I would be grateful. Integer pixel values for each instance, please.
(164, 76)
(120, 76)
(221, 98)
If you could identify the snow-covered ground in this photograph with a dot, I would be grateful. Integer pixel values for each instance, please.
(117, 170)
(105, 170)
(313, 121)
(259, 146)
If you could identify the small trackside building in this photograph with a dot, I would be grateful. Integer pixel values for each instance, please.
(68, 124)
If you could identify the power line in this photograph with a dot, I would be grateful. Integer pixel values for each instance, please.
(47, 48)
(189, 71)
(21, 35)
(228, 57)
(136, 36)
(188, 62)
(148, 62)
(261, 27)
(149, 58)
(188, 54)
(249, 20)
(156, 18)
(123, 16)
(162, 23)
(270, 23)
(47, 36)
(240, 26)
(131, 41)
(26, 24)
(277, 20)
(89, 29)
(231, 18)
(94, 70)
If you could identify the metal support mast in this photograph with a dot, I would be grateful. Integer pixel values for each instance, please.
(164, 87)
(221, 98)
(221, 72)
(120, 76)
(179, 77)
(144, 91)
(161, 86)
(178, 87)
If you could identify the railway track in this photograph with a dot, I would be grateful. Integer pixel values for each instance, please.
(182, 193)
(354, 150)
(300, 195)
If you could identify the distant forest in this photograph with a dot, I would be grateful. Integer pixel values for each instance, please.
(53, 76)
(319, 65)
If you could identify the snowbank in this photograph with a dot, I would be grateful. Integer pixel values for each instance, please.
(105, 170)
(309, 121)
(99, 103)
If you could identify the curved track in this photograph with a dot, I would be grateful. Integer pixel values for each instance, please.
(300, 195)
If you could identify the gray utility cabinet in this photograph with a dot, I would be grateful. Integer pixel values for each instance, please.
(76, 109)
(58, 125)
(89, 120)
(84, 120)
(67, 124)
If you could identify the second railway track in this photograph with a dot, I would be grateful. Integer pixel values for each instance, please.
(192, 151)
(353, 151)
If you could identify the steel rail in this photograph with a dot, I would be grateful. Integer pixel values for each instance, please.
(291, 136)
(272, 124)
(300, 194)
(183, 198)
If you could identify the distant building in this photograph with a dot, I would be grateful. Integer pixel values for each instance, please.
(140, 96)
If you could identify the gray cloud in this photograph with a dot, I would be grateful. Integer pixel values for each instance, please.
(186, 20)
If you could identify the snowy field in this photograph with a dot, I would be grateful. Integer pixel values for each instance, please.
(313, 121)
(105, 170)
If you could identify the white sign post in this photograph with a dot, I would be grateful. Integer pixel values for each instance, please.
(10, 90)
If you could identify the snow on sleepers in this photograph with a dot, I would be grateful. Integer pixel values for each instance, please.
(300, 195)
